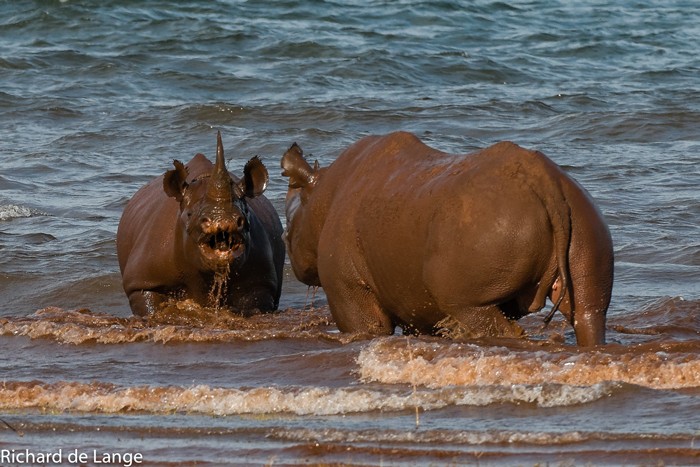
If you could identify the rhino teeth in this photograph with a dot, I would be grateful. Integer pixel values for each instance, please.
(222, 241)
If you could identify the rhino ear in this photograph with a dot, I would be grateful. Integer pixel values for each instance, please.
(297, 168)
(175, 181)
(255, 178)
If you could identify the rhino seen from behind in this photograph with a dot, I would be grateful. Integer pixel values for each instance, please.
(400, 234)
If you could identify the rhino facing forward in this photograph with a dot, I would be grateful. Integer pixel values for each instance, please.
(197, 232)
(400, 234)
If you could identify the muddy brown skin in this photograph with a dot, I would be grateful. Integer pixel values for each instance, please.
(400, 234)
(198, 231)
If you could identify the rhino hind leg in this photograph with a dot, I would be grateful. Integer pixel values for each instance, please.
(589, 327)
(145, 302)
(355, 309)
(592, 290)
(591, 265)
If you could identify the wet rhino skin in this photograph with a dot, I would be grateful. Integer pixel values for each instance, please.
(400, 234)
(158, 243)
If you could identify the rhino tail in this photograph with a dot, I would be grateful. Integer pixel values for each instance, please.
(559, 213)
(562, 239)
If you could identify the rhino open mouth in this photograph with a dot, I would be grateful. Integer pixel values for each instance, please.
(222, 244)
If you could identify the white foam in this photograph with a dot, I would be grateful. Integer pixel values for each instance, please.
(108, 398)
(13, 211)
(433, 365)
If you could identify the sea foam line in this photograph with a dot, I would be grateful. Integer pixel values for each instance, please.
(437, 366)
(69, 396)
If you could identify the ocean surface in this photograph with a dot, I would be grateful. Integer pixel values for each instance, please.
(97, 98)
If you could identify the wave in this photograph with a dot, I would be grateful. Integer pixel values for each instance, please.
(664, 319)
(437, 365)
(99, 397)
(330, 435)
(177, 323)
(469, 437)
(666, 323)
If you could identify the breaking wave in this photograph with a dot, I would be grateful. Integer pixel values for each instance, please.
(397, 360)
(203, 399)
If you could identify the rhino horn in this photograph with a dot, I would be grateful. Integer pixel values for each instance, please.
(220, 181)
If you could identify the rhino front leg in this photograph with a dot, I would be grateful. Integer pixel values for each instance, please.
(247, 298)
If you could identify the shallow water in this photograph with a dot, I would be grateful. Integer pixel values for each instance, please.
(97, 99)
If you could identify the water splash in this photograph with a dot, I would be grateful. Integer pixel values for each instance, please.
(310, 290)
(177, 321)
(13, 211)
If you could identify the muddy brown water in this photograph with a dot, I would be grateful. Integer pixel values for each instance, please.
(97, 99)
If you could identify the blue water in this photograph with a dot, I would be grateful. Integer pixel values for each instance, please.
(97, 98)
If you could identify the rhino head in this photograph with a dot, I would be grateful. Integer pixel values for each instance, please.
(214, 219)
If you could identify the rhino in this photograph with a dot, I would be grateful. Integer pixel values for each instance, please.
(200, 233)
(400, 234)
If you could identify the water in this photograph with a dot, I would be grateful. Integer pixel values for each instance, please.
(97, 99)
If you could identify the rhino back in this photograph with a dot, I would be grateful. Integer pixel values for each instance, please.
(146, 233)
(145, 238)
(395, 199)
